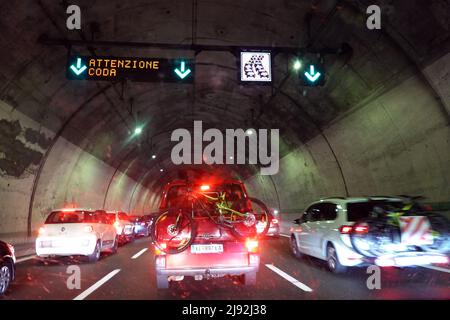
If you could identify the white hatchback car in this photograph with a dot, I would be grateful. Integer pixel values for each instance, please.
(68, 232)
(323, 231)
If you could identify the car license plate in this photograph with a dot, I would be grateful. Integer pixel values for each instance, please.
(207, 248)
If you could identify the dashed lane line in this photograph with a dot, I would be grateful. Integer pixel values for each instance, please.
(292, 280)
(137, 255)
(25, 259)
(96, 285)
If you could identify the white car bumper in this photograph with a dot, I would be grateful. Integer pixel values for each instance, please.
(65, 246)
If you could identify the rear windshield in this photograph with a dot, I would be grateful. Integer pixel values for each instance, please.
(233, 191)
(360, 210)
(72, 217)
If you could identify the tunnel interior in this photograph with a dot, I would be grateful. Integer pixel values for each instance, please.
(380, 125)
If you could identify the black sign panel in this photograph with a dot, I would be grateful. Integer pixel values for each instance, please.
(135, 69)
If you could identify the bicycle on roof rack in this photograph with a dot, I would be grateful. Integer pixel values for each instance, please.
(406, 226)
(174, 230)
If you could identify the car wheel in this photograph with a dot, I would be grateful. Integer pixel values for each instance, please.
(333, 261)
(162, 282)
(5, 277)
(116, 245)
(95, 256)
(295, 250)
(250, 279)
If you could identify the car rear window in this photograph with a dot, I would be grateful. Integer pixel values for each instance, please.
(72, 217)
(360, 210)
(233, 191)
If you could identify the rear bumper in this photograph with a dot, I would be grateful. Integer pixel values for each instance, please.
(407, 259)
(219, 271)
(62, 246)
(253, 266)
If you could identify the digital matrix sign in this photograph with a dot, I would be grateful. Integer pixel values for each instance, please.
(135, 69)
(256, 66)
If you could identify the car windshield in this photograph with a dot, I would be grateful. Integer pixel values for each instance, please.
(71, 217)
(360, 210)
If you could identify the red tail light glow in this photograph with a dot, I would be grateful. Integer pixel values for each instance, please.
(252, 245)
(158, 251)
(142, 223)
(204, 188)
(362, 229)
(345, 229)
(274, 221)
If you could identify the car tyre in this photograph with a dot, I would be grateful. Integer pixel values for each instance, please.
(95, 256)
(6, 276)
(162, 282)
(294, 248)
(115, 246)
(333, 263)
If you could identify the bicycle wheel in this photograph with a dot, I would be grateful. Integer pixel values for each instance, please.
(371, 237)
(173, 231)
(254, 223)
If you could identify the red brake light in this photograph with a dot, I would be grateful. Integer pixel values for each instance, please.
(362, 229)
(252, 245)
(345, 229)
(204, 188)
(274, 221)
(158, 251)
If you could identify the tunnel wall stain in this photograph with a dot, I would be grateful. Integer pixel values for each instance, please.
(16, 157)
(70, 176)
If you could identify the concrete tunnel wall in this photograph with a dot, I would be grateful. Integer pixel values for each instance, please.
(398, 143)
(69, 176)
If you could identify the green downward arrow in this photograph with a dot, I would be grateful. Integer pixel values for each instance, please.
(78, 69)
(312, 75)
(183, 72)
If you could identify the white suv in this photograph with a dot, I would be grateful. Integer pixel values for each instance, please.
(323, 231)
(68, 232)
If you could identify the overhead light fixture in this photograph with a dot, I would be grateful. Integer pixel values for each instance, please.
(249, 132)
(161, 170)
(153, 156)
(297, 65)
(138, 130)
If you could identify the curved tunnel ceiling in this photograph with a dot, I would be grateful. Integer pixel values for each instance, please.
(100, 117)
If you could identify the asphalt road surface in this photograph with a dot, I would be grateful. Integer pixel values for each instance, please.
(129, 274)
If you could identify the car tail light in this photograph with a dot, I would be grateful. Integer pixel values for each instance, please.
(251, 245)
(274, 221)
(204, 188)
(41, 230)
(345, 229)
(361, 229)
(88, 229)
(158, 251)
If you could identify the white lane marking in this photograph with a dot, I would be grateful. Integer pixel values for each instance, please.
(285, 235)
(25, 259)
(437, 268)
(292, 280)
(96, 285)
(137, 255)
